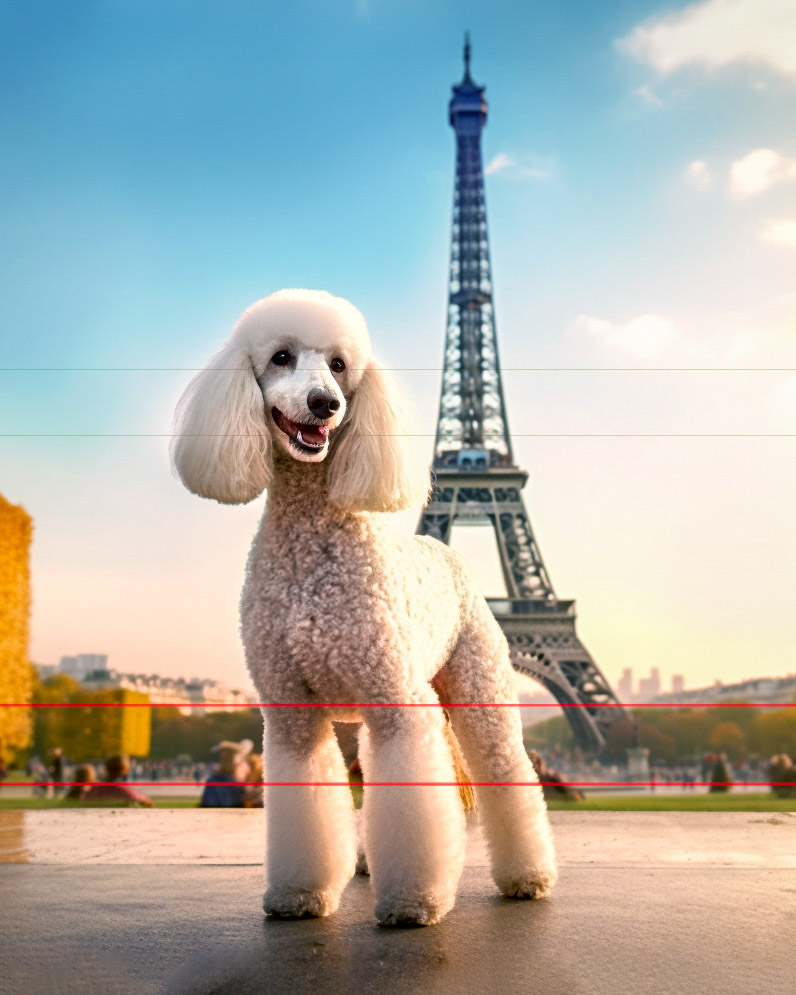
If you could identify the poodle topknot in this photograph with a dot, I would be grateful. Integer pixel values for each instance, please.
(338, 609)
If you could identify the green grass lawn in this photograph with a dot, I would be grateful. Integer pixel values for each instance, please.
(742, 802)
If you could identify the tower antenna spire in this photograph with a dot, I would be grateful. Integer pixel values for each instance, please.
(467, 55)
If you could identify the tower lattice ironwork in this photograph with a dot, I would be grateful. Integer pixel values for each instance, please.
(476, 479)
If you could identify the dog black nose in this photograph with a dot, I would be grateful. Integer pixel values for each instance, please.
(322, 403)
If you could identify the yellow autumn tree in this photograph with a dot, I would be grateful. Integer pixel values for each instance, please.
(85, 727)
(16, 681)
(727, 737)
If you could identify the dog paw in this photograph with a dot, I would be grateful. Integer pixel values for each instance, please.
(408, 911)
(299, 903)
(528, 886)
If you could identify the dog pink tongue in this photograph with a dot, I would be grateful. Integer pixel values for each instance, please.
(316, 435)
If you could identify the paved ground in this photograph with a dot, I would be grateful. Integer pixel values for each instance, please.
(168, 901)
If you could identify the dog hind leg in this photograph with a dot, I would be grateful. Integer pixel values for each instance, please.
(514, 818)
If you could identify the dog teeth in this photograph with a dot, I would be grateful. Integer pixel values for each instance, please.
(309, 445)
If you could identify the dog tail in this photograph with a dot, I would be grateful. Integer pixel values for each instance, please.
(466, 792)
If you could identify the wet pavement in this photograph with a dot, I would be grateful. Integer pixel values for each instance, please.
(119, 901)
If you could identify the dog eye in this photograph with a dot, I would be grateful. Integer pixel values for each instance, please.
(337, 366)
(281, 358)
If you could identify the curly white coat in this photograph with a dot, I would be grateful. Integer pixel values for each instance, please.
(338, 609)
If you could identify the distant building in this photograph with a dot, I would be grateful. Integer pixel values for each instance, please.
(625, 685)
(204, 695)
(83, 664)
(762, 690)
(650, 687)
(45, 670)
(678, 684)
(211, 696)
(16, 676)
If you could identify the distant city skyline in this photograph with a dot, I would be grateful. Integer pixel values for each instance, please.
(200, 691)
(198, 695)
(647, 688)
(164, 169)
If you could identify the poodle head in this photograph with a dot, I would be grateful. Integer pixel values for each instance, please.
(297, 373)
(307, 351)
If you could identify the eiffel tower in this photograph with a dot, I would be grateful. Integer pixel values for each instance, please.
(476, 480)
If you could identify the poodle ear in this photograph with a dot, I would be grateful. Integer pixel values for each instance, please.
(372, 468)
(222, 447)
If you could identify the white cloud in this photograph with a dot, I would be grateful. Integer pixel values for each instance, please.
(698, 175)
(646, 94)
(645, 336)
(500, 162)
(530, 167)
(712, 340)
(758, 170)
(780, 231)
(716, 33)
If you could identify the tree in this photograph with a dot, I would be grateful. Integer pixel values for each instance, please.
(553, 732)
(728, 738)
(688, 728)
(774, 732)
(622, 735)
(15, 592)
(89, 733)
(48, 723)
(176, 735)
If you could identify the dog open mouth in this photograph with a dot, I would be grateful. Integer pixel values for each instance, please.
(309, 438)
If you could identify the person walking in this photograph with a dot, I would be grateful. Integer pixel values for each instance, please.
(56, 770)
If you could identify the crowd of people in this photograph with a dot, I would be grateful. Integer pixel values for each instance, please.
(113, 790)
(234, 778)
(233, 781)
(570, 765)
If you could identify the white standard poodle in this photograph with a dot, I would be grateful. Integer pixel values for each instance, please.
(337, 608)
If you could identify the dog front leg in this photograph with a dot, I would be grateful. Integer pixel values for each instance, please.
(415, 833)
(311, 841)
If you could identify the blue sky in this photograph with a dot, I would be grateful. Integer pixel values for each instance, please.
(165, 164)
